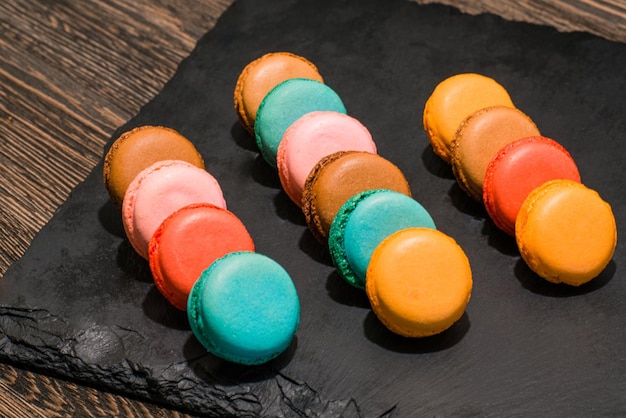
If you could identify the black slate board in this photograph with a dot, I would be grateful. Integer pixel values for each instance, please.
(81, 304)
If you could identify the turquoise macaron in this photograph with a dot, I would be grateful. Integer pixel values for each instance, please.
(286, 103)
(244, 308)
(363, 222)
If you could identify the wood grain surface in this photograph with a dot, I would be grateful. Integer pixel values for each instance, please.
(71, 72)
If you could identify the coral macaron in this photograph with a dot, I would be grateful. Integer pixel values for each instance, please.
(187, 242)
(516, 170)
(312, 137)
(566, 232)
(419, 282)
(262, 75)
(244, 308)
(160, 190)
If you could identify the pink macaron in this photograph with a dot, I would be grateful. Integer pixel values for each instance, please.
(311, 138)
(160, 190)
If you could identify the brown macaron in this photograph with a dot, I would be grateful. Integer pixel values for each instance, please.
(261, 75)
(139, 148)
(478, 140)
(341, 175)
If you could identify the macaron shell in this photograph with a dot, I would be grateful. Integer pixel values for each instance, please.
(263, 74)
(419, 282)
(138, 149)
(285, 104)
(244, 308)
(479, 139)
(160, 190)
(519, 168)
(311, 138)
(363, 222)
(341, 175)
(565, 232)
(187, 242)
(453, 100)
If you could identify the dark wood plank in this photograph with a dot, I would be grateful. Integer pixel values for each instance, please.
(71, 72)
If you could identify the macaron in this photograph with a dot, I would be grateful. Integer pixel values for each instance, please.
(244, 308)
(419, 282)
(264, 73)
(286, 103)
(187, 242)
(312, 137)
(339, 176)
(516, 170)
(453, 100)
(139, 148)
(363, 222)
(566, 232)
(479, 138)
(160, 190)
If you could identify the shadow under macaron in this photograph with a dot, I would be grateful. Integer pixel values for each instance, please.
(377, 333)
(538, 285)
(215, 370)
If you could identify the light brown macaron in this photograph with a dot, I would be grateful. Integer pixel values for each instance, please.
(478, 140)
(261, 75)
(138, 149)
(339, 176)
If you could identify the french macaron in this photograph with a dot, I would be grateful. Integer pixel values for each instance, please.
(479, 138)
(566, 232)
(261, 75)
(339, 176)
(285, 104)
(138, 149)
(363, 222)
(244, 308)
(419, 282)
(516, 170)
(453, 100)
(160, 190)
(187, 242)
(312, 137)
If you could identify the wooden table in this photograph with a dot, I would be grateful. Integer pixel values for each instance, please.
(71, 72)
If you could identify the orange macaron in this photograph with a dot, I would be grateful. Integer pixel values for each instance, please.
(418, 282)
(453, 100)
(566, 232)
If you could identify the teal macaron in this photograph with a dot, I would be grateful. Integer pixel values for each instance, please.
(363, 222)
(244, 308)
(286, 103)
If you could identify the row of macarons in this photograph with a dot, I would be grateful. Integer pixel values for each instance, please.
(241, 305)
(529, 184)
(357, 203)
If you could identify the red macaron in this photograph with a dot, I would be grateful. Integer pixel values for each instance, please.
(188, 242)
(516, 170)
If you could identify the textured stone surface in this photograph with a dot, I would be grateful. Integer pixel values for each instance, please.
(81, 304)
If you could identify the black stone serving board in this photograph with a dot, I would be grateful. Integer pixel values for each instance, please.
(80, 304)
